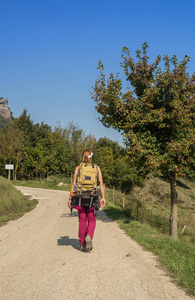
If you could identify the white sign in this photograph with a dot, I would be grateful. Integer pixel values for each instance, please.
(9, 167)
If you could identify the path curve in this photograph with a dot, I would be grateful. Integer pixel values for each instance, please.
(40, 260)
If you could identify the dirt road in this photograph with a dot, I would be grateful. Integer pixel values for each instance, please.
(39, 259)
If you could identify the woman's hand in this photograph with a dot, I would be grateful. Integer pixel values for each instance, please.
(69, 203)
(102, 202)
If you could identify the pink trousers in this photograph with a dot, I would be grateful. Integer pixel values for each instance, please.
(87, 223)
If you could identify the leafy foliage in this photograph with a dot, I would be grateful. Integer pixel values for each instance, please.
(37, 151)
(117, 169)
(157, 117)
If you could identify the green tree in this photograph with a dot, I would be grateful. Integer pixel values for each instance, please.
(104, 159)
(156, 116)
(24, 123)
(62, 152)
(126, 174)
(11, 146)
(79, 142)
(37, 143)
(106, 142)
(112, 151)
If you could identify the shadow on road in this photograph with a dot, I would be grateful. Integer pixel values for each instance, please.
(101, 216)
(66, 241)
(70, 215)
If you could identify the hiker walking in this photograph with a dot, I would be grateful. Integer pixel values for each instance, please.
(87, 187)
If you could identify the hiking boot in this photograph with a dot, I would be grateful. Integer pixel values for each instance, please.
(88, 241)
(82, 247)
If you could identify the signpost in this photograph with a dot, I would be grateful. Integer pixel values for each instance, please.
(9, 168)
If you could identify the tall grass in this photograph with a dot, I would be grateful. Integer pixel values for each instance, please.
(12, 203)
(149, 205)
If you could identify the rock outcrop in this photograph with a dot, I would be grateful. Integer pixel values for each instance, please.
(5, 112)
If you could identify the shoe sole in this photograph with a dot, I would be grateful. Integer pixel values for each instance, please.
(88, 241)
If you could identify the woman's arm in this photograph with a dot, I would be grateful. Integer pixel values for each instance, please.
(72, 186)
(102, 201)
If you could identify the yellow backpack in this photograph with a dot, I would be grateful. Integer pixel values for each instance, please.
(87, 178)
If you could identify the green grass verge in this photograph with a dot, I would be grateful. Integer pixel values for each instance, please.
(177, 256)
(13, 204)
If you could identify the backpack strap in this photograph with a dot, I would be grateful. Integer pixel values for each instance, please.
(90, 205)
(78, 175)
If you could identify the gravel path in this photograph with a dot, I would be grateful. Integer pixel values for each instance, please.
(39, 258)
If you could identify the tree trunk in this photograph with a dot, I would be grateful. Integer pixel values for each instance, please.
(16, 168)
(14, 175)
(173, 217)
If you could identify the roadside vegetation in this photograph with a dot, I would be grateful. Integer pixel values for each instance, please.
(13, 204)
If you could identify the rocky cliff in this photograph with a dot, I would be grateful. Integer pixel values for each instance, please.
(5, 112)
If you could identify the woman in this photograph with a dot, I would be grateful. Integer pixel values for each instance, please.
(86, 206)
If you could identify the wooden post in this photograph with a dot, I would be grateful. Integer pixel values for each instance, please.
(123, 203)
(137, 210)
(173, 217)
(113, 197)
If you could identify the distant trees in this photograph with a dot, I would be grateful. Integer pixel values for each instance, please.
(104, 159)
(37, 151)
(79, 141)
(117, 170)
(156, 116)
(11, 145)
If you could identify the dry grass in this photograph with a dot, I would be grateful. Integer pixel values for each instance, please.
(151, 204)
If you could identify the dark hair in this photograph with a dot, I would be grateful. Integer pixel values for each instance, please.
(85, 157)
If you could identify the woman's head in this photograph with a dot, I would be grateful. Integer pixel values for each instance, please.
(87, 156)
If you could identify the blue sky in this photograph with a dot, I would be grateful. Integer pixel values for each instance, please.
(50, 49)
